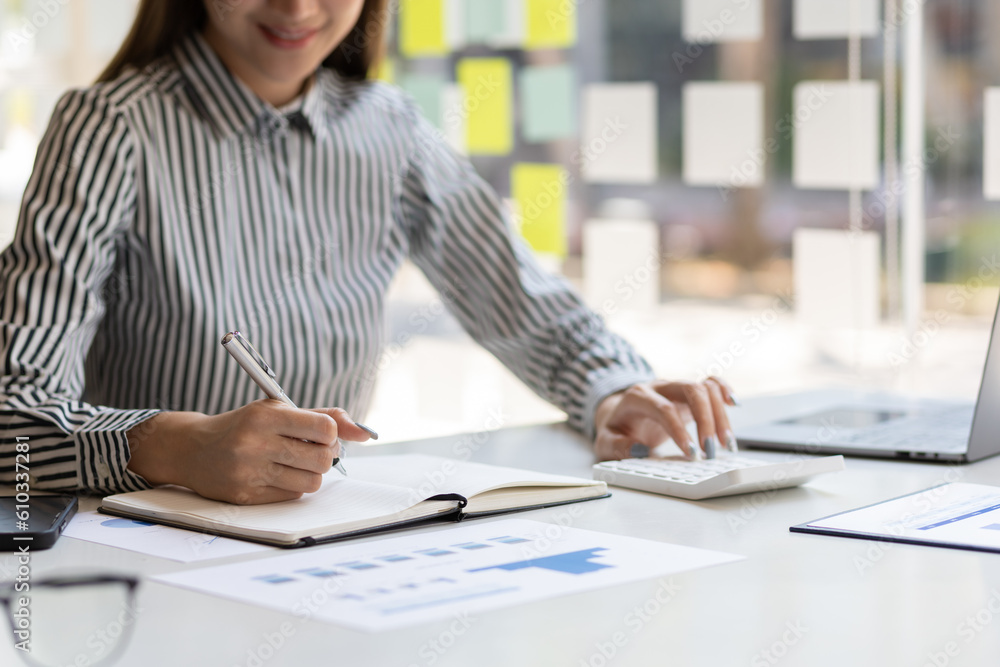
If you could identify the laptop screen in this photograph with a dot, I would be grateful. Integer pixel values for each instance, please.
(985, 438)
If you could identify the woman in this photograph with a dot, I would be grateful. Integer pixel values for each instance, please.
(233, 168)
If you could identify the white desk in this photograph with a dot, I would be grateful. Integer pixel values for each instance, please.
(804, 599)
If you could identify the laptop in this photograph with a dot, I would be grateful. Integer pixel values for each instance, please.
(880, 424)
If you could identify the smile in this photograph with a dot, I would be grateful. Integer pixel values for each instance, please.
(288, 39)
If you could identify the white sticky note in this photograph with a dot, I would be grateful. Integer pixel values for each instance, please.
(991, 143)
(51, 24)
(455, 24)
(836, 127)
(8, 214)
(621, 265)
(835, 19)
(836, 278)
(453, 117)
(724, 134)
(109, 22)
(512, 36)
(708, 21)
(618, 134)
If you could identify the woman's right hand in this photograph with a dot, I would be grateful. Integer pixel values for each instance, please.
(263, 452)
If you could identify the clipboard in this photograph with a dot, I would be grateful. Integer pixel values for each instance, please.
(953, 515)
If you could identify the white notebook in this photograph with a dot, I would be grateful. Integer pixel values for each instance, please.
(380, 493)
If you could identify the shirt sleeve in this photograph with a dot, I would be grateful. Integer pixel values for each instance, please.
(533, 322)
(78, 199)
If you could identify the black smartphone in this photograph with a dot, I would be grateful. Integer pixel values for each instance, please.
(42, 518)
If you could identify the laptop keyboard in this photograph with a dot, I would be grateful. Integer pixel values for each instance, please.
(944, 431)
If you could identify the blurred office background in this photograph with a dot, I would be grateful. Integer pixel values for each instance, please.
(787, 193)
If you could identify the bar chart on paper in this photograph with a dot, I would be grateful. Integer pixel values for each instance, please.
(162, 541)
(574, 562)
(417, 578)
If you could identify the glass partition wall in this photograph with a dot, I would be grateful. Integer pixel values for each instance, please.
(789, 193)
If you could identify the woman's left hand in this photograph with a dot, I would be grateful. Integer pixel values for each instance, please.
(650, 413)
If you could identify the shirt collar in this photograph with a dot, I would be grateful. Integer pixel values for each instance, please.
(234, 109)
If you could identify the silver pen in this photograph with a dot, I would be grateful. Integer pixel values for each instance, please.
(250, 361)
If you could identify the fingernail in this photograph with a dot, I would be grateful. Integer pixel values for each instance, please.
(696, 454)
(731, 442)
(367, 430)
(735, 401)
(711, 447)
(638, 451)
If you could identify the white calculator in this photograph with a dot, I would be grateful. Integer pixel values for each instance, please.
(724, 476)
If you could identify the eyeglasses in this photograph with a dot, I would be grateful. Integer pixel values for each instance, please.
(58, 621)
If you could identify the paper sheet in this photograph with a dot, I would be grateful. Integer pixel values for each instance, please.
(540, 193)
(455, 24)
(836, 126)
(340, 500)
(487, 107)
(952, 514)
(185, 546)
(708, 21)
(455, 130)
(109, 22)
(53, 35)
(724, 134)
(837, 277)
(429, 475)
(619, 136)
(461, 569)
(548, 104)
(621, 265)
(826, 19)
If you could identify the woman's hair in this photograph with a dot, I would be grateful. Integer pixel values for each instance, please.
(160, 24)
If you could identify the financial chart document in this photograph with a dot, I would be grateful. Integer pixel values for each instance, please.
(413, 579)
(959, 514)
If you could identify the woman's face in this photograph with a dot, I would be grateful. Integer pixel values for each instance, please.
(273, 46)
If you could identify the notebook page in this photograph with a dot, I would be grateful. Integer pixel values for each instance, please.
(340, 500)
(427, 476)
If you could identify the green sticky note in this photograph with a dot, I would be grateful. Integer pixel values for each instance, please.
(548, 109)
(427, 91)
(485, 20)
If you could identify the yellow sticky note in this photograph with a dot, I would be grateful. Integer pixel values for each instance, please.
(421, 28)
(549, 24)
(21, 109)
(487, 105)
(385, 70)
(539, 191)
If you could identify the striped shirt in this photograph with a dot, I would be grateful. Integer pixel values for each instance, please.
(172, 205)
